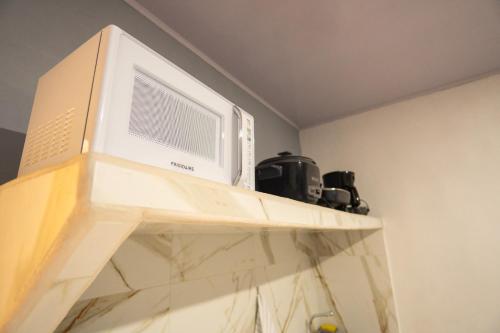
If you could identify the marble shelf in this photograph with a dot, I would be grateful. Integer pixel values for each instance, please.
(60, 226)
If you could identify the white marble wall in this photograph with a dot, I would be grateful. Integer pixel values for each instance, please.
(209, 283)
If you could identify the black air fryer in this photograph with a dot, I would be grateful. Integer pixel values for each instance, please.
(290, 176)
(345, 180)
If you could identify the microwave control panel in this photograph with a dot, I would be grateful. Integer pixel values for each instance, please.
(248, 158)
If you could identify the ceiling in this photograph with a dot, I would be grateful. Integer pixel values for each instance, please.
(316, 61)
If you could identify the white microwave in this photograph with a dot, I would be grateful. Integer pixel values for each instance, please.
(116, 96)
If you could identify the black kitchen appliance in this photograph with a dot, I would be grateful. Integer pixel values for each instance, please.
(290, 176)
(335, 198)
(345, 180)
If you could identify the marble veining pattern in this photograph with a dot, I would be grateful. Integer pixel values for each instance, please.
(209, 283)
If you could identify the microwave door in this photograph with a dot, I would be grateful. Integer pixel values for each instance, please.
(160, 115)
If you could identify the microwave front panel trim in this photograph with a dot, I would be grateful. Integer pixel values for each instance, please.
(95, 137)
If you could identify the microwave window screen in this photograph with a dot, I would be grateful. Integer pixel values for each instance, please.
(164, 116)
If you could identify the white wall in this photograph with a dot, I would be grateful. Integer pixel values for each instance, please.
(431, 167)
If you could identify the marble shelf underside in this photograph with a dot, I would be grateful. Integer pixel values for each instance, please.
(61, 227)
(210, 282)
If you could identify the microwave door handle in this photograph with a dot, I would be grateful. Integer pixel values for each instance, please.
(237, 111)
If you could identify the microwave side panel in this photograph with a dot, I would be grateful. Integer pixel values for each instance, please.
(59, 113)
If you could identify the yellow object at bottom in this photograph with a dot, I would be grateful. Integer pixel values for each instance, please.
(327, 328)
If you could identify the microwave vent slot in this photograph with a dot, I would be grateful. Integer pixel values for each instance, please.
(164, 116)
(49, 139)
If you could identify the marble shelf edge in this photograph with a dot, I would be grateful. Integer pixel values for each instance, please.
(171, 202)
(78, 213)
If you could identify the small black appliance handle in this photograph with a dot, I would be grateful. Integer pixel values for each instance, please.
(355, 199)
(269, 172)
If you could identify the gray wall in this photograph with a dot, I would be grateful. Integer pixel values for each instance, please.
(35, 35)
(11, 146)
